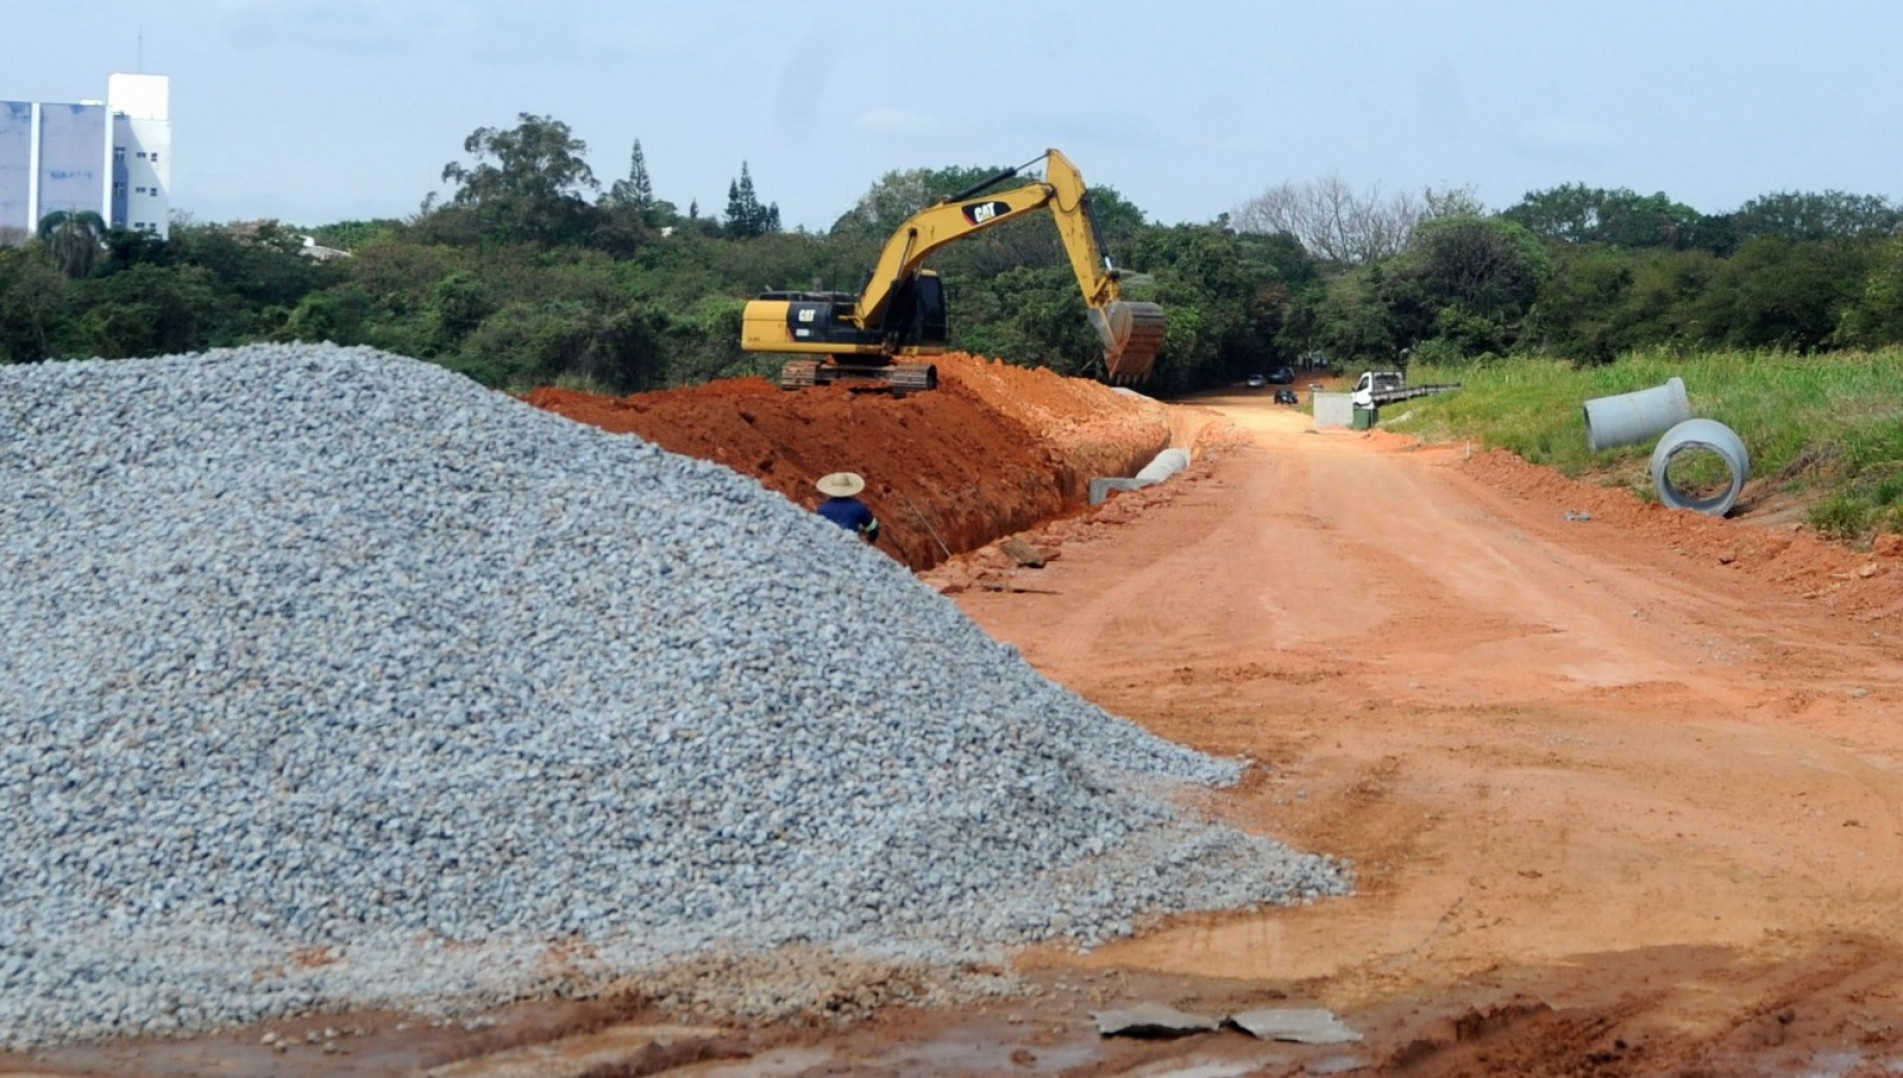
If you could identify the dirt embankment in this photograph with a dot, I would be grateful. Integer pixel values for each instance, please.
(996, 449)
(1755, 541)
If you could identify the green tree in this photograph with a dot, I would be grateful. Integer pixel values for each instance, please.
(259, 273)
(1876, 317)
(746, 216)
(1030, 315)
(1346, 318)
(1778, 293)
(1628, 219)
(523, 345)
(525, 184)
(637, 191)
(338, 315)
(1459, 268)
(1574, 213)
(1661, 307)
(1808, 215)
(1242, 288)
(1568, 213)
(1716, 233)
(35, 302)
(629, 212)
(456, 305)
(147, 310)
(1576, 314)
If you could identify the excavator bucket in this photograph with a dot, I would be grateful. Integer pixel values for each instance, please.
(1132, 332)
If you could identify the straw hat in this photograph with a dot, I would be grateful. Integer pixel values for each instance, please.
(840, 484)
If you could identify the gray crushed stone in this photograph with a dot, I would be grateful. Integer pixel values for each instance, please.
(329, 678)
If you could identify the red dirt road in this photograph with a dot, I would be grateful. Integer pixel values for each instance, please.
(1624, 795)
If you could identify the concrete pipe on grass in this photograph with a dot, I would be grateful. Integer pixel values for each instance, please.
(1631, 418)
(1708, 436)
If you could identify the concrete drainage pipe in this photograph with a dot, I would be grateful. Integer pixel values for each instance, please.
(1161, 467)
(1164, 465)
(1631, 418)
(1696, 435)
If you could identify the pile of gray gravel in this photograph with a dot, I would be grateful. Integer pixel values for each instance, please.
(329, 678)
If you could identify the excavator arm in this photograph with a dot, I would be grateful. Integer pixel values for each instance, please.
(901, 310)
(1131, 331)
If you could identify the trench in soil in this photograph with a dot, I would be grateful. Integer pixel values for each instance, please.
(994, 450)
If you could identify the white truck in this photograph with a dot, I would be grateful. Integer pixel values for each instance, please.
(1375, 388)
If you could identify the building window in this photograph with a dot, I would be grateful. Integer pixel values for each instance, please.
(155, 158)
(119, 187)
(118, 153)
(141, 155)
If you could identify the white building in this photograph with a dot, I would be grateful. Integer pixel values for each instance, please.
(141, 152)
(113, 159)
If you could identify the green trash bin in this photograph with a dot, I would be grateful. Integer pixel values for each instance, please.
(1364, 417)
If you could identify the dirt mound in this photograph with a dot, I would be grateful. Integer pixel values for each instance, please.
(994, 450)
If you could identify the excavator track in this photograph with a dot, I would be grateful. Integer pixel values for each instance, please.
(900, 378)
(1133, 332)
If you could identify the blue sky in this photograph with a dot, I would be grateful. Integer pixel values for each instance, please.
(314, 111)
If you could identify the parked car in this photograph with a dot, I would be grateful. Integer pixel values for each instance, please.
(1282, 376)
(1286, 396)
(1257, 381)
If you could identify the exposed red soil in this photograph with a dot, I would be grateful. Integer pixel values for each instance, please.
(994, 450)
(1755, 540)
(1622, 786)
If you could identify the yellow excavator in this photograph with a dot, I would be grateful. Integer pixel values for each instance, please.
(861, 339)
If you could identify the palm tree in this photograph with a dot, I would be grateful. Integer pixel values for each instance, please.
(74, 240)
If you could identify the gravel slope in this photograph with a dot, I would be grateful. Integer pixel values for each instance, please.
(306, 647)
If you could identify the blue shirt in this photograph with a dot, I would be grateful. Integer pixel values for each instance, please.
(848, 513)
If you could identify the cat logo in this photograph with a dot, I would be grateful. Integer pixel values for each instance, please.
(985, 211)
(807, 314)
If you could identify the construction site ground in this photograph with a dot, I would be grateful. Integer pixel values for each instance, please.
(1622, 787)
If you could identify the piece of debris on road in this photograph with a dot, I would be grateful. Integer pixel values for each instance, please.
(1152, 1020)
(1303, 1025)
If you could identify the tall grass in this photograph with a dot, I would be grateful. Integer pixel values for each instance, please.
(1828, 429)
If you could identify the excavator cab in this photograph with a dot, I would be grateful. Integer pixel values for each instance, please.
(822, 325)
(915, 318)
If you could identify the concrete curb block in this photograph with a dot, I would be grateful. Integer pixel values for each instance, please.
(1165, 464)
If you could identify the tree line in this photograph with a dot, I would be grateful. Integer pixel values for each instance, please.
(530, 272)
(1587, 274)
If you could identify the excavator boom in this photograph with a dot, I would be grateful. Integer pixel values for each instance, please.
(901, 312)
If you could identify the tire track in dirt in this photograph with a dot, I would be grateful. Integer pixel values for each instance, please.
(1540, 741)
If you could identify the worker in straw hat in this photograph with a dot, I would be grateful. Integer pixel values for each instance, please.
(843, 507)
